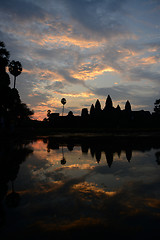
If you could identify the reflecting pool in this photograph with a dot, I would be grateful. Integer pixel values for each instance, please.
(52, 188)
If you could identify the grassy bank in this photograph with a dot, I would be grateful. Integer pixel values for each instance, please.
(87, 132)
(44, 130)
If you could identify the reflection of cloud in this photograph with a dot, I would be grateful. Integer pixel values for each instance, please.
(84, 188)
(57, 203)
(72, 206)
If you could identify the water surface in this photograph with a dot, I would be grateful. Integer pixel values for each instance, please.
(51, 188)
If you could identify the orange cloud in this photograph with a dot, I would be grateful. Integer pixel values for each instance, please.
(66, 41)
(87, 71)
(149, 60)
(76, 95)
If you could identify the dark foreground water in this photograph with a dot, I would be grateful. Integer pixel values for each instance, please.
(51, 189)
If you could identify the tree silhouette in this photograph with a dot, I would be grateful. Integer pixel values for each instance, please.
(63, 101)
(4, 59)
(4, 79)
(12, 110)
(15, 68)
(4, 56)
(23, 112)
(48, 113)
(70, 114)
(157, 106)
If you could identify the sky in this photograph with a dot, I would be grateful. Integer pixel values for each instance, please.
(83, 50)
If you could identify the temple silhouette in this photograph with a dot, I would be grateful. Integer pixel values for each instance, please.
(109, 117)
(15, 114)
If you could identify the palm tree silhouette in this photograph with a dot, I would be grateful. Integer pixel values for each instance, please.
(63, 101)
(15, 68)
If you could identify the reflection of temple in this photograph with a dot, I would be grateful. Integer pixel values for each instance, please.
(96, 151)
(111, 147)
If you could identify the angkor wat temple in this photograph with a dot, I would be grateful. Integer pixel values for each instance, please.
(108, 117)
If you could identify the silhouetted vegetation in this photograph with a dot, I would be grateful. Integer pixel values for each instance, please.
(12, 111)
(15, 68)
(157, 107)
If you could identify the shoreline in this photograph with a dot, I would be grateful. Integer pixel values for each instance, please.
(36, 133)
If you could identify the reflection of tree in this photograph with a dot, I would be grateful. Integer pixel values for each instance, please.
(63, 161)
(13, 198)
(70, 146)
(54, 145)
(11, 156)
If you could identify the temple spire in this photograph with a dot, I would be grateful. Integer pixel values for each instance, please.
(109, 104)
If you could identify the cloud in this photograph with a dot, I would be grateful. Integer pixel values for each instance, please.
(140, 97)
(64, 44)
(116, 92)
(37, 98)
(22, 10)
(69, 78)
(139, 73)
(57, 86)
(100, 18)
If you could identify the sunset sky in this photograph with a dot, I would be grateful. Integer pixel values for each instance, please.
(83, 50)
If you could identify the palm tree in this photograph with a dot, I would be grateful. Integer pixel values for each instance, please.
(63, 101)
(15, 68)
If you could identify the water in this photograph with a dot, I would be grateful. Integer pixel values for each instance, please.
(54, 189)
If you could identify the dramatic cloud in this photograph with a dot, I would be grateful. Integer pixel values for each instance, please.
(83, 50)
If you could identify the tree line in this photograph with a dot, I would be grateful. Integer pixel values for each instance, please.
(12, 110)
